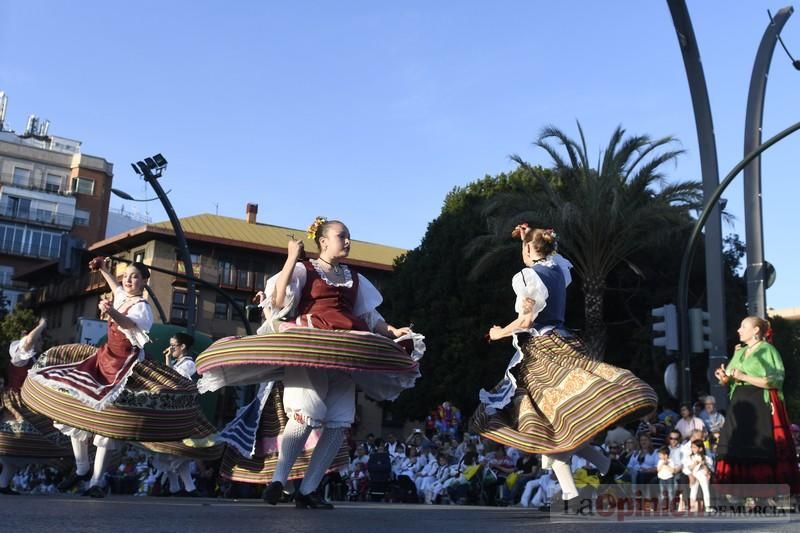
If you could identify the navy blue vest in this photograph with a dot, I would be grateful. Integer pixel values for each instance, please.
(553, 313)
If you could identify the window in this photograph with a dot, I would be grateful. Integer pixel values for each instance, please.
(82, 217)
(6, 273)
(221, 308)
(52, 183)
(259, 281)
(26, 241)
(22, 177)
(178, 313)
(227, 274)
(242, 303)
(245, 279)
(83, 185)
(138, 257)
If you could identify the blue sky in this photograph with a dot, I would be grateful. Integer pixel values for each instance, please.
(372, 111)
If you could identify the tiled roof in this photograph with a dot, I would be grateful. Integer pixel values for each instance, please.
(235, 231)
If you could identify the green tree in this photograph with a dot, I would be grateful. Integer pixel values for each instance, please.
(432, 287)
(605, 214)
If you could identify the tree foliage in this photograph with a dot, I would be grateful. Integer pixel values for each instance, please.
(457, 283)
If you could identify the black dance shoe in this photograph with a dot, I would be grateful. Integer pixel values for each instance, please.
(273, 493)
(8, 491)
(94, 492)
(73, 479)
(310, 501)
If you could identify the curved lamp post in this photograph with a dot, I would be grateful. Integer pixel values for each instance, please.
(753, 226)
(686, 260)
(150, 169)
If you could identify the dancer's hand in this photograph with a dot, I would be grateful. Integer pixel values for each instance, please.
(294, 249)
(105, 306)
(398, 332)
(496, 333)
(259, 297)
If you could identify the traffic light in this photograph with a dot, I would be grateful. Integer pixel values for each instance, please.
(668, 326)
(699, 331)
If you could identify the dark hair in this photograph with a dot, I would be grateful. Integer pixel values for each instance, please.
(663, 449)
(543, 240)
(323, 228)
(688, 405)
(700, 444)
(184, 338)
(142, 268)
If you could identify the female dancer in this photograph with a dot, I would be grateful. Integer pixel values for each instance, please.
(755, 446)
(565, 398)
(21, 443)
(112, 393)
(320, 354)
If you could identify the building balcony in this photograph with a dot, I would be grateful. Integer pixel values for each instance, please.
(37, 216)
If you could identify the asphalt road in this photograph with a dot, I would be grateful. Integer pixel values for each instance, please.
(129, 514)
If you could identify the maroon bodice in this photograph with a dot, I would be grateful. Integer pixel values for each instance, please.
(16, 375)
(329, 306)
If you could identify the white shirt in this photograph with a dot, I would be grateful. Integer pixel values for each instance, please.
(141, 315)
(185, 367)
(19, 356)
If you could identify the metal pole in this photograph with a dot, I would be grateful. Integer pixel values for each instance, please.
(686, 260)
(239, 311)
(715, 280)
(754, 231)
(183, 247)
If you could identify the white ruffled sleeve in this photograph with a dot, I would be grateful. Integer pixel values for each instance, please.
(141, 315)
(290, 301)
(528, 284)
(20, 356)
(367, 301)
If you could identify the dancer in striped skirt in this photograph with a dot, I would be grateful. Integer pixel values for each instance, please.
(112, 393)
(21, 443)
(554, 398)
(322, 337)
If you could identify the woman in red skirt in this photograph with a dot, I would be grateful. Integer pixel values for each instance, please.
(755, 445)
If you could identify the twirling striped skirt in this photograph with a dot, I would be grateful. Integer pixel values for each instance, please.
(381, 367)
(260, 467)
(24, 433)
(563, 398)
(157, 404)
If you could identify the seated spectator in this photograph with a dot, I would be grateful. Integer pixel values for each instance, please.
(539, 492)
(396, 449)
(446, 476)
(655, 430)
(712, 418)
(617, 434)
(358, 483)
(643, 464)
(688, 422)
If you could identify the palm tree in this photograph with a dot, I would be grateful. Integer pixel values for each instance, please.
(604, 214)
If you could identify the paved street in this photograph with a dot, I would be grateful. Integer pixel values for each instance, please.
(127, 514)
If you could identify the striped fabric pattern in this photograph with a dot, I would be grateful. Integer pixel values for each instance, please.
(336, 350)
(157, 405)
(20, 434)
(71, 376)
(564, 398)
(260, 468)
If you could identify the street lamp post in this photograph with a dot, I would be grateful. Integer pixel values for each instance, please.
(715, 279)
(754, 231)
(151, 169)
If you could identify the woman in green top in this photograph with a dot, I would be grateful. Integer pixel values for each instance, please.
(755, 445)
